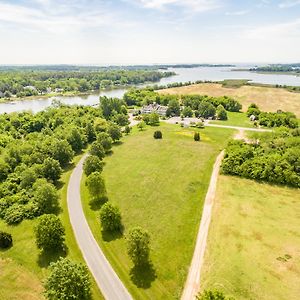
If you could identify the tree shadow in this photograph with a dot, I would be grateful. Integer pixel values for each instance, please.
(48, 256)
(143, 276)
(96, 203)
(109, 236)
(117, 143)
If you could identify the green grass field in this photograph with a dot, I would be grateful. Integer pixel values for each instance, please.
(159, 185)
(22, 268)
(235, 119)
(254, 241)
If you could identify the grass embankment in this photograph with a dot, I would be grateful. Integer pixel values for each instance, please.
(254, 241)
(159, 185)
(22, 267)
(267, 98)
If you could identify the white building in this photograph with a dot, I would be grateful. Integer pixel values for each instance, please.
(154, 108)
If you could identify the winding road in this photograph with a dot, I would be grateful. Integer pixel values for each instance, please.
(107, 280)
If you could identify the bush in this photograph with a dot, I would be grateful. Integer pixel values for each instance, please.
(14, 214)
(5, 240)
(197, 136)
(157, 134)
(68, 281)
(110, 217)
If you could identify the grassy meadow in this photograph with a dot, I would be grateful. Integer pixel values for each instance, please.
(235, 119)
(159, 185)
(22, 267)
(254, 241)
(267, 98)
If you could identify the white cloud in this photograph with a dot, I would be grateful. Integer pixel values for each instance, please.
(277, 31)
(289, 3)
(194, 5)
(55, 17)
(237, 13)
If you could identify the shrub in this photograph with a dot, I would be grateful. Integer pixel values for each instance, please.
(5, 240)
(197, 136)
(157, 134)
(110, 217)
(14, 214)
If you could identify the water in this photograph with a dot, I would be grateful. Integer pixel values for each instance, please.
(184, 75)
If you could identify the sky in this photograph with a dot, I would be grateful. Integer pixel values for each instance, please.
(105, 32)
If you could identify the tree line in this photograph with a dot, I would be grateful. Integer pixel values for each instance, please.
(31, 83)
(274, 158)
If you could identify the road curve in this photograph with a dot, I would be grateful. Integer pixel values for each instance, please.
(107, 280)
(192, 284)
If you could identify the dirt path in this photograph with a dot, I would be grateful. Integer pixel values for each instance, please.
(192, 284)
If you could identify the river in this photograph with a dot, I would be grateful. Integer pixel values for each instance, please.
(183, 75)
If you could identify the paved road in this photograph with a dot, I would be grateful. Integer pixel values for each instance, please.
(107, 280)
(192, 284)
(187, 121)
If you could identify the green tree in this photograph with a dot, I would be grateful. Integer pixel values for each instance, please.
(115, 132)
(126, 130)
(173, 108)
(49, 233)
(110, 217)
(28, 177)
(221, 113)
(138, 246)
(206, 110)
(153, 119)
(187, 112)
(92, 164)
(51, 169)
(97, 150)
(141, 125)
(96, 185)
(75, 139)
(45, 196)
(197, 136)
(62, 151)
(105, 140)
(68, 281)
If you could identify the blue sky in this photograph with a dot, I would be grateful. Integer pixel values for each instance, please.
(148, 31)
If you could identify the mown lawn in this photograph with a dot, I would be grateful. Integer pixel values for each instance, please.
(159, 185)
(235, 119)
(22, 268)
(254, 242)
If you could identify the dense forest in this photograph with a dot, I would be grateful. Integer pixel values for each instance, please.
(31, 82)
(274, 158)
(36, 148)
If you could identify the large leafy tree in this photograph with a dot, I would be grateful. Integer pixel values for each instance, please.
(68, 281)
(110, 217)
(96, 185)
(49, 233)
(138, 246)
